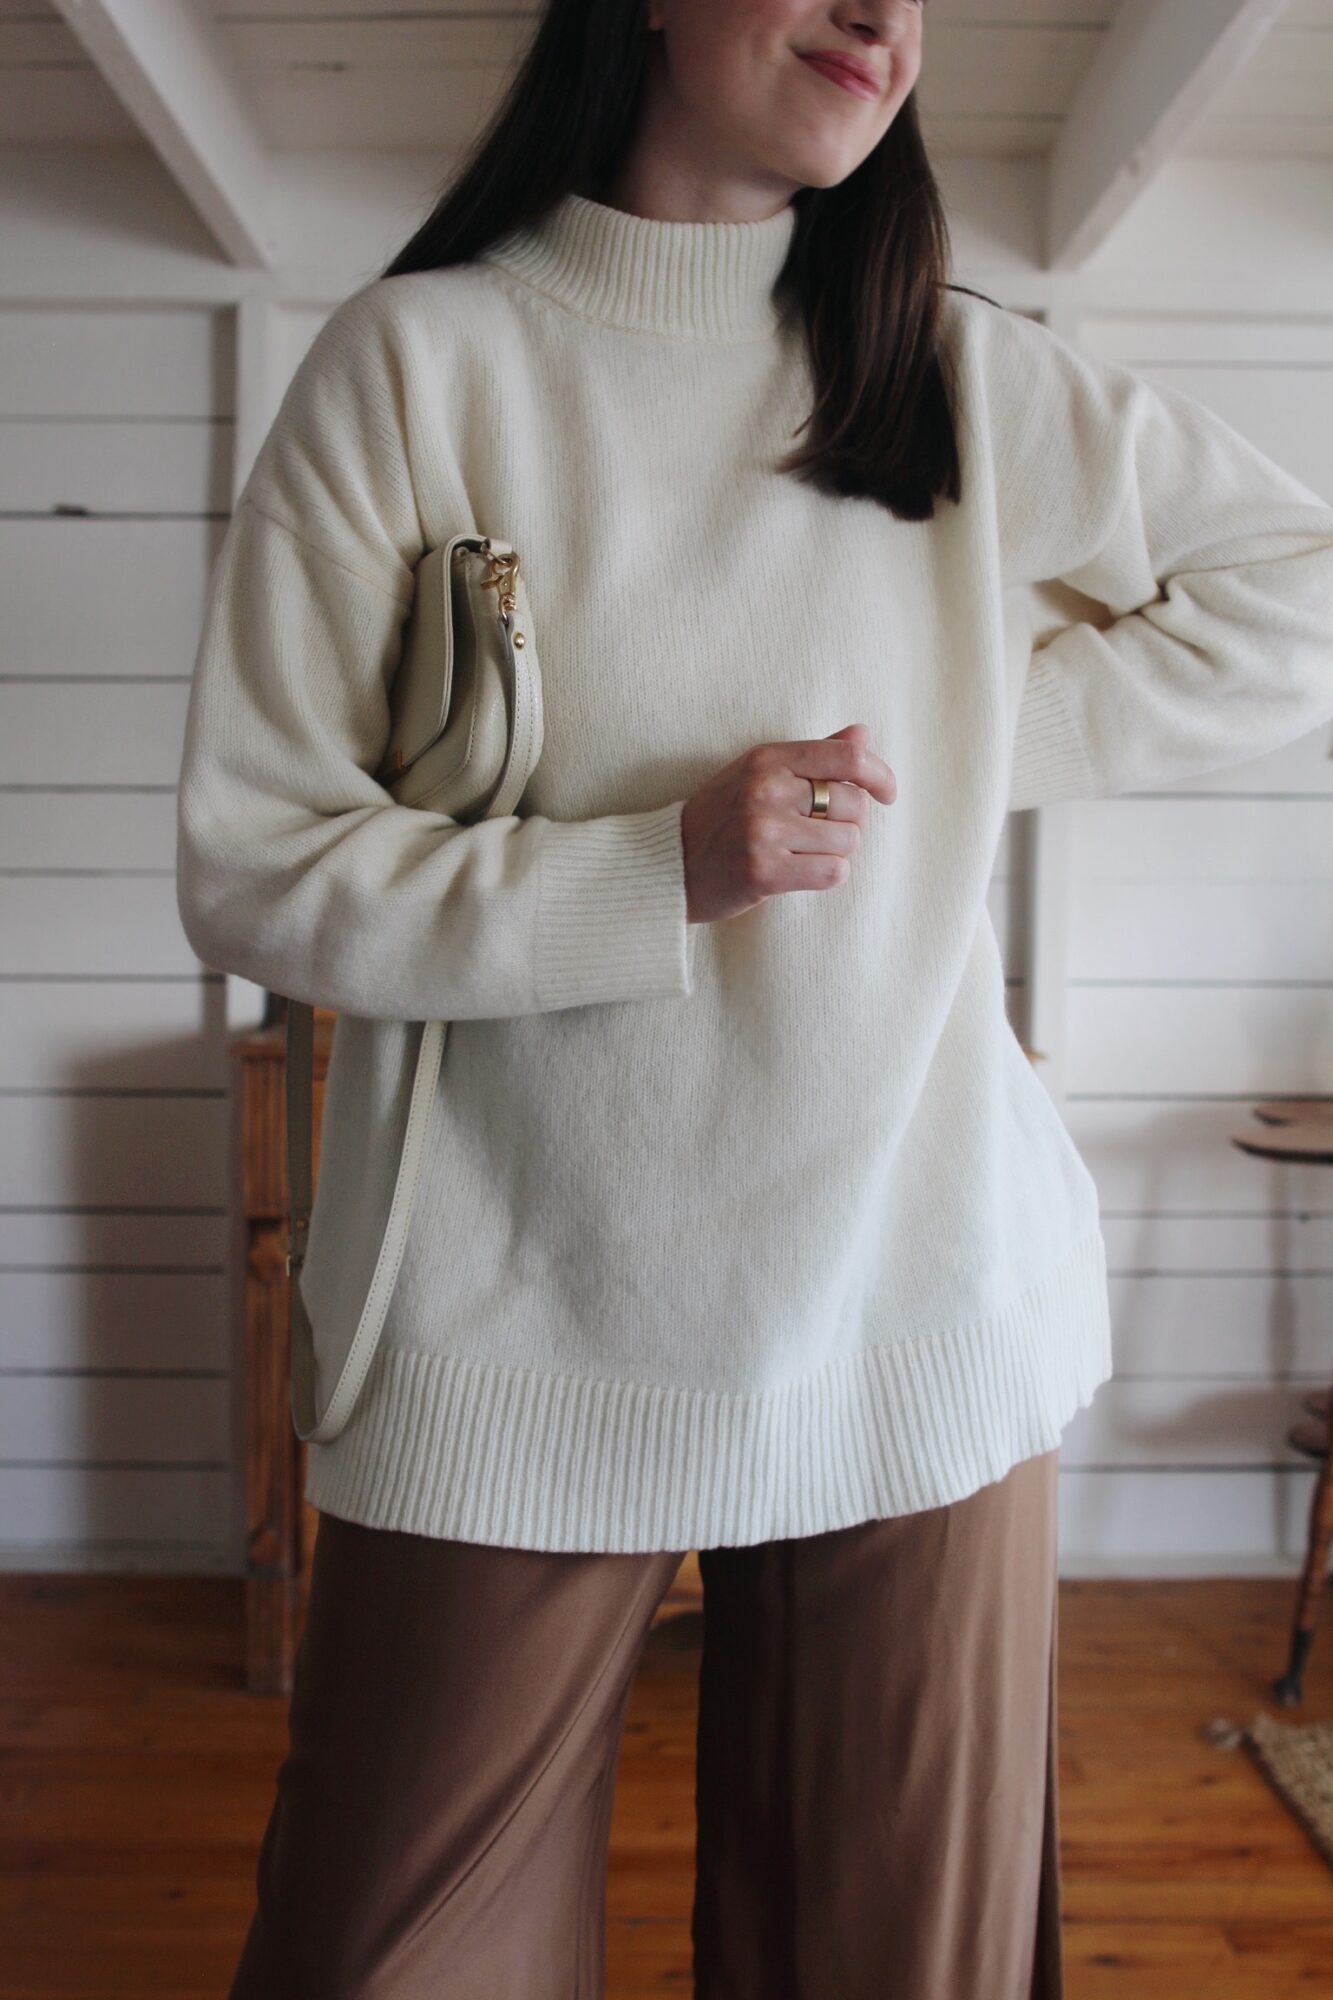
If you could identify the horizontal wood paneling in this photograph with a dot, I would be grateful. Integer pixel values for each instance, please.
(1193, 1325)
(1200, 1423)
(178, 466)
(94, 1510)
(149, 1319)
(121, 362)
(92, 732)
(1194, 1041)
(1173, 1156)
(1184, 1520)
(140, 1420)
(1280, 1243)
(1235, 931)
(126, 1034)
(67, 1150)
(104, 597)
(99, 1239)
(1200, 962)
(1304, 767)
(1175, 841)
(118, 833)
(127, 926)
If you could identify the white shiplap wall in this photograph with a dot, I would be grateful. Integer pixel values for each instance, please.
(117, 1419)
(1199, 979)
(1194, 972)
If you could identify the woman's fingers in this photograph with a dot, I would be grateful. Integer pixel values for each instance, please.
(839, 832)
(845, 802)
(749, 833)
(834, 757)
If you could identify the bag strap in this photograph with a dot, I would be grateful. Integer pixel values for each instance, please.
(524, 734)
(300, 1116)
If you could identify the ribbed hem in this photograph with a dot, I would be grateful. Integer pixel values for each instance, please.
(711, 280)
(1050, 761)
(611, 917)
(518, 1459)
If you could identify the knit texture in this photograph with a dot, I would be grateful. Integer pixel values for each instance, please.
(738, 1230)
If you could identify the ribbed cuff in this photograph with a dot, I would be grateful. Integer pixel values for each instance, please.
(1050, 762)
(611, 921)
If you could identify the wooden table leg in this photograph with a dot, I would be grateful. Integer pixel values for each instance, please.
(1317, 1438)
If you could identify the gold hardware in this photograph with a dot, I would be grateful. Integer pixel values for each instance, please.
(397, 764)
(520, 641)
(503, 571)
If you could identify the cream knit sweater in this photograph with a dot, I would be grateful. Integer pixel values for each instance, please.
(737, 1230)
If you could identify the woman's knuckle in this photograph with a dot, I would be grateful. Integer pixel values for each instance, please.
(755, 857)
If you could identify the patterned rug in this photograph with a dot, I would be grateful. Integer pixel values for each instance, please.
(1297, 1760)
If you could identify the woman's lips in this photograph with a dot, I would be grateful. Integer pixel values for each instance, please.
(842, 73)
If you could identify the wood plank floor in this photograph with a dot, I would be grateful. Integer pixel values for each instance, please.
(136, 1775)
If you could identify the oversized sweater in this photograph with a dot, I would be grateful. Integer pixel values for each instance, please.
(744, 1229)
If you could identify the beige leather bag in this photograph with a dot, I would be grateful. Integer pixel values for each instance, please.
(465, 734)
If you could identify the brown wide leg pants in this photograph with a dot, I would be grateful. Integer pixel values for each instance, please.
(875, 1778)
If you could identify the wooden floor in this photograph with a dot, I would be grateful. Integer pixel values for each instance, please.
(135, 1781)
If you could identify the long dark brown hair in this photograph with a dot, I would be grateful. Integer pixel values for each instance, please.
(868, 262)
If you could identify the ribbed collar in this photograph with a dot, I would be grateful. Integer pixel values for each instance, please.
(712, 280)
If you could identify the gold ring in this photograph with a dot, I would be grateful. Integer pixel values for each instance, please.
(819, 805)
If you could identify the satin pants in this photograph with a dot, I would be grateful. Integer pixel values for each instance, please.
(875, 1780)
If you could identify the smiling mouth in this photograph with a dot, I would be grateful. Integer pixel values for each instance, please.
(847, 75)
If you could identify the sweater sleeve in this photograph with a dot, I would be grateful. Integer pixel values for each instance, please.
(1202, 569)
(294, 867)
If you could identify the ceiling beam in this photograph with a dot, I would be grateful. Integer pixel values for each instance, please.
(169, 66)
(1161, 65)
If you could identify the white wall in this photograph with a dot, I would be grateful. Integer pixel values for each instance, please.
(1199, 978)
(1186, 960)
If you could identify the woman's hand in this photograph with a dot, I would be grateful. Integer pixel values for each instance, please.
(748, 833)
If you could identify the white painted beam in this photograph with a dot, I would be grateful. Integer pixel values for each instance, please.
(170, 68)
(1161, 66)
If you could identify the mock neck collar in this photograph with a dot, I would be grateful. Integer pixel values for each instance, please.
(709, 280)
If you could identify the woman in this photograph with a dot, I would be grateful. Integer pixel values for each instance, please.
(745, 1225)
